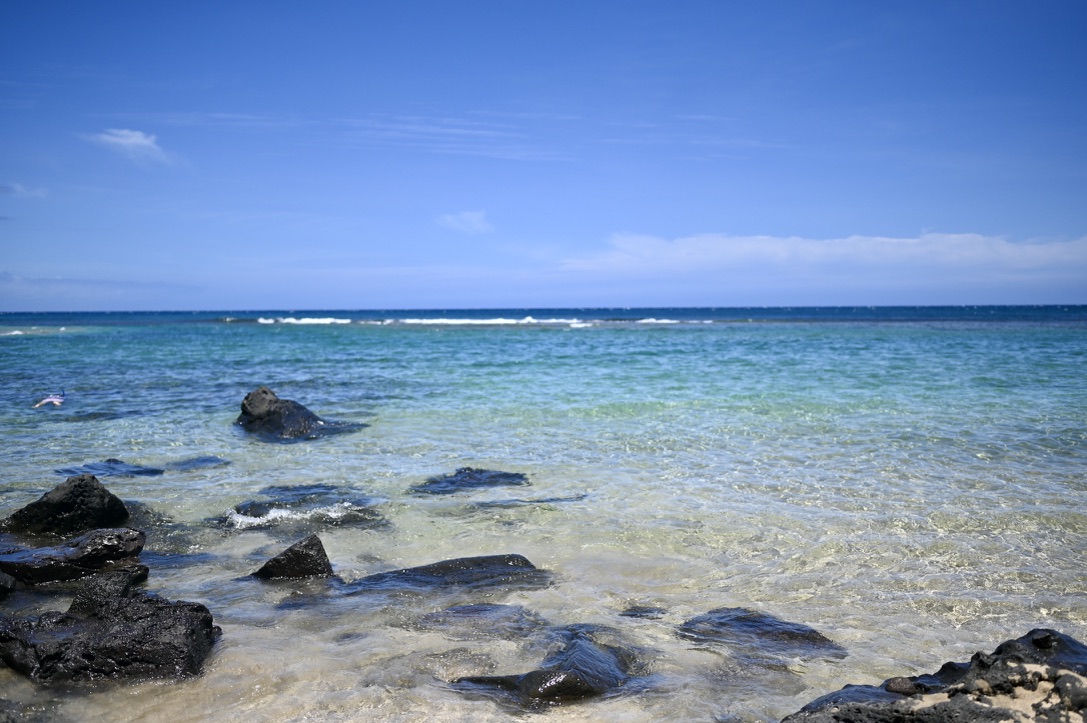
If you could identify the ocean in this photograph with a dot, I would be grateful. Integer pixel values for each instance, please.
(909, 481)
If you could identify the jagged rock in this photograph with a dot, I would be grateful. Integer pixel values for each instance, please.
(110, 631)
(1041, 676)
(77, 504)
(469, 478)
(85, 555)
(306, 558)
(754, 634)
(466, 572)
(276, 419)
(581, 668)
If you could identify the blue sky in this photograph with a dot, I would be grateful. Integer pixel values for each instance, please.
(353, 155)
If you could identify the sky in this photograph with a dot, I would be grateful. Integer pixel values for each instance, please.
(511, 154)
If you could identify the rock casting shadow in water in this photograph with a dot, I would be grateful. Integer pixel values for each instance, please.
(304, 559)
(1042, 672)
(78, 504)
(302, 508)
(581, 668)
(466, 573)
(89, 554)
(110, 632)
(307, 560)
(469, 478)
(758, 637)
(285, 420)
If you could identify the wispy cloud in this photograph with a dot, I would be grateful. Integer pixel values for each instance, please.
(135, 145)
(630, 253)
(449, 135)
(61, 292)
(847, 270)
(469, 222)
(18, 190)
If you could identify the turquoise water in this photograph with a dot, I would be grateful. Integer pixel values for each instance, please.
(909, 481)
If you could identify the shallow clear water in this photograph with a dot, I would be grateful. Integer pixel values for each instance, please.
(909, 482)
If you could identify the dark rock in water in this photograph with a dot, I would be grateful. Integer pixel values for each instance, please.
(1041, 676)
(483, 620)
(581, 668)
(302, 559)
(468, 478)
(7, 584)
(646, 612)
(754, 633)
(194, 463)
(305, 506)
(79, 503)
(276, 419)
(118, 468)
(112, 468)
(512, 571)
(109, 632)
(85, 555)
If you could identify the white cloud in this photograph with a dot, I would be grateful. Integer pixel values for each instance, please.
(636, 254)
(136, 145)
(469, 222)
(929, 268)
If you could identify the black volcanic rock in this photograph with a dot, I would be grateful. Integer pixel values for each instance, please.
(275, 419)
(1041, 676)
(756, 634)
(109, 632)
(306, 558)
(487, 571)
(581, 668)
(77, 504)
(85, 555)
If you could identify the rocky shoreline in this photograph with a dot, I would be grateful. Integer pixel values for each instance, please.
(79, 538)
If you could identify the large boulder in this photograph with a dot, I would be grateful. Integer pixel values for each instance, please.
(85, 555)
(77, 504)
(1041, 676)
(265, 414)
(110, 631)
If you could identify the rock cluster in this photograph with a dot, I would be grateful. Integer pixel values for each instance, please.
(1038, 677)
(110, 630)
(81, 538)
